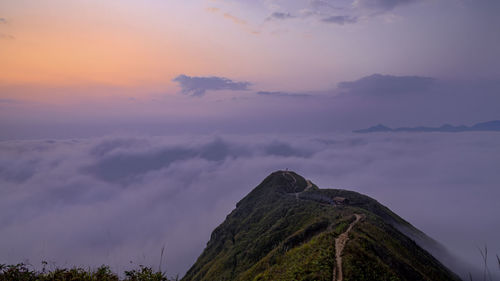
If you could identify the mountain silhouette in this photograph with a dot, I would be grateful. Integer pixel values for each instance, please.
(484, 126)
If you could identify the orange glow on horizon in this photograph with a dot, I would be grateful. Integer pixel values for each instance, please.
(51, 48)
(98, 45)
(100, 57)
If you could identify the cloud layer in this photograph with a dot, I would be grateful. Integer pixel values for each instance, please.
(119, 199)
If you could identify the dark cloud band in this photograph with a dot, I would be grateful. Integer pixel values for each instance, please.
(198, 86)
(381, 85)
(340, 19)
(382, 5)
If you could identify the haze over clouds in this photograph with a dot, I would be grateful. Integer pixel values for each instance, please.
(226, 106)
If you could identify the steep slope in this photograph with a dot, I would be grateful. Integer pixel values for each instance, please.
(289, 229)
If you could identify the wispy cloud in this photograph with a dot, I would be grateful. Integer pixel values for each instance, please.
(212, 9)
(333, 12)
(319, 4)
(341, 20)
(381, 6)
(198, 86)
(235, 19)
(242, 23)
(280, 16)
(321, 11)
(282, 94)
(7, 36)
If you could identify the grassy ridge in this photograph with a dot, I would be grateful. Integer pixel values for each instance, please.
(279, 231)
(272, 235)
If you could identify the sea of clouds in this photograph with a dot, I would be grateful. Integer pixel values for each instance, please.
(118, 200)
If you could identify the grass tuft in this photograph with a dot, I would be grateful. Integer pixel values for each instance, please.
(25, 272)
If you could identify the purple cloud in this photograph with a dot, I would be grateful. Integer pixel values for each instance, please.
(280, 16)
(319, 3)
(341, 20)
(387, 85)
(283, 94)
(197, 86)
(382, 5)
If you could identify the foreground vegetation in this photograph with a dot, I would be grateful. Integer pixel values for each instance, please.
(24, 272)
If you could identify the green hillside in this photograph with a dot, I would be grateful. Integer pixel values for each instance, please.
(289, 229)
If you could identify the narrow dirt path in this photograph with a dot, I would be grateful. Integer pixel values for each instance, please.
(340, 241)
(309, 184)
(286, 173)
(339, 248)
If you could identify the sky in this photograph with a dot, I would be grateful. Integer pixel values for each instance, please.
(88, 68)
(194, 90)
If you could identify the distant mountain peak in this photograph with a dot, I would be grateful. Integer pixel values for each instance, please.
(491, 126)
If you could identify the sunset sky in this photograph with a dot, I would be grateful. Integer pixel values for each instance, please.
(69, 64)
(126, 125)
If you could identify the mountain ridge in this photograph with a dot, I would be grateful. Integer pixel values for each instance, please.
(489, 126)
(287, 228)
